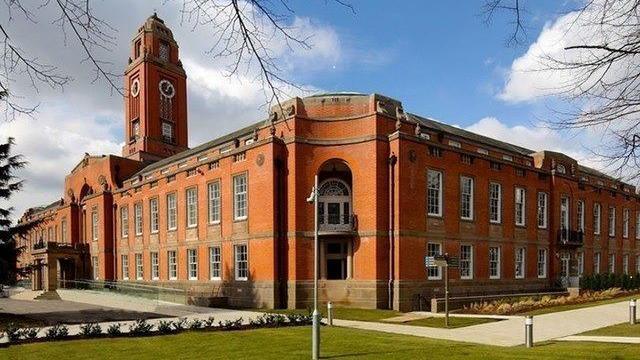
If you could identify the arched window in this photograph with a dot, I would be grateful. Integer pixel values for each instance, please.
(334, 205)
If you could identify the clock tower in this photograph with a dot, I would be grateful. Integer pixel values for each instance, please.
(156, 95)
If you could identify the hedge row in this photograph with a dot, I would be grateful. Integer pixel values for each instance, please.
(605, 281)
(142, 327)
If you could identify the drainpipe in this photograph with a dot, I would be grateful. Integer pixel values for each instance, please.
(113, 242)
(392, 162)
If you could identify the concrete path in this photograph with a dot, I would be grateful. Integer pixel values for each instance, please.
(90, 306)
(608, 339)
(511, 332)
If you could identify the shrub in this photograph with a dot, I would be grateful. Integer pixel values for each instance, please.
(57, 331)
(114, 329)
(195, 324)
(180, 324)
(90, 329)
(29, 333)
(12, 331)
(230, 324)
(165, 327)
(209, 322)
(140, 327)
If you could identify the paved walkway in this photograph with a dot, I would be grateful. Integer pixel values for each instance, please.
(511, 332)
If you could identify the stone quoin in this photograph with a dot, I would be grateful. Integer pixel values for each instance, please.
(229, 218)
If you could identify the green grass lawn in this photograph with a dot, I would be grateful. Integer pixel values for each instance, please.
(616, 330)
(579, 306)
(294, 343)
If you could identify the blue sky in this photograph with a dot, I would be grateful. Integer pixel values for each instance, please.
(437, 57)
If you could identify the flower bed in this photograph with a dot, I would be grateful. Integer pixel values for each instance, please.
(515, 306)
(142, 327)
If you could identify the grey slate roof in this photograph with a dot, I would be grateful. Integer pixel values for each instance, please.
(442, 127)
(200, 148)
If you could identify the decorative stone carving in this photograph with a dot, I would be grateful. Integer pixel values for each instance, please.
(398, 124)
(255, 135)
(417, 130)
(260, 159)
(400, 113)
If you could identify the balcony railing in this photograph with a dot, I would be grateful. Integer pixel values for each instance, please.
(568, 237)
(335, 223)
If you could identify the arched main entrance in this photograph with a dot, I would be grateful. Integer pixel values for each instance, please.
(336, 220)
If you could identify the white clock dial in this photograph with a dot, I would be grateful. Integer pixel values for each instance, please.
(167, 89)
(135, 88)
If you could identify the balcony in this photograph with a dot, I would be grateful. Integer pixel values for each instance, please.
(336, 224)
(569, 238)
(52, 246)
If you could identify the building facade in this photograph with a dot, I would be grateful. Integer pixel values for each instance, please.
(229, 218)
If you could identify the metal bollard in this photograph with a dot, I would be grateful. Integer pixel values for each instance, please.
(528, 331)
(330, 313)
(632, 311)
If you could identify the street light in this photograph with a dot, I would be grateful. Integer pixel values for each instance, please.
(315, 333)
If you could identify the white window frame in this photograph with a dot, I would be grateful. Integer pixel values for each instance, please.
(172, 264)
(580, 256)
(434, 193)
(543, 205)
(192, 264)
(155, 265)
(241, 274)
(612, 221)
(520, 206)
(612, 263)
(172, 211)
(137, 209)
(434, 273)
(124, 266)
(520, 263)
(626, 214)
(497, 261)
(466, 198)
(637, 264)
(565, 212)
(124, 221)
(468, 276)
(213, 191)
(625, 264)
(580, 215)
(597, 258)
(139, 266)
(240, 196)
(215, 262)
(153, 215)
(94, 225)
(542, 263)
(637, 224)
(191, 200)
(63, 230)
(495, 203)
(597, 218)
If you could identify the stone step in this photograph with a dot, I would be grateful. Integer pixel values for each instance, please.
(48, 295)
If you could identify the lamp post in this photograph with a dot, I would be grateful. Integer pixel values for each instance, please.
(315, 333)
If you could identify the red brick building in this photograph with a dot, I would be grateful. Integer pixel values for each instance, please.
(229, 217)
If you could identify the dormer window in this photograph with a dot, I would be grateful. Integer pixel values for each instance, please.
(561, 169)
(164, 51)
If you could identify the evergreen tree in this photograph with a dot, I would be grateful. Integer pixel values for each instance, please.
(10, 232)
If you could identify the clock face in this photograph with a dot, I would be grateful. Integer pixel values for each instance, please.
(167, 89)
(135, 88)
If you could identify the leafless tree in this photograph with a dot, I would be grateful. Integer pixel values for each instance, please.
(515, 12)
(602, 68)
(242, 31)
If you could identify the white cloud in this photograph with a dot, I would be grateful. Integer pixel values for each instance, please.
(86, 117)
(533, 75)
(537, 137)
